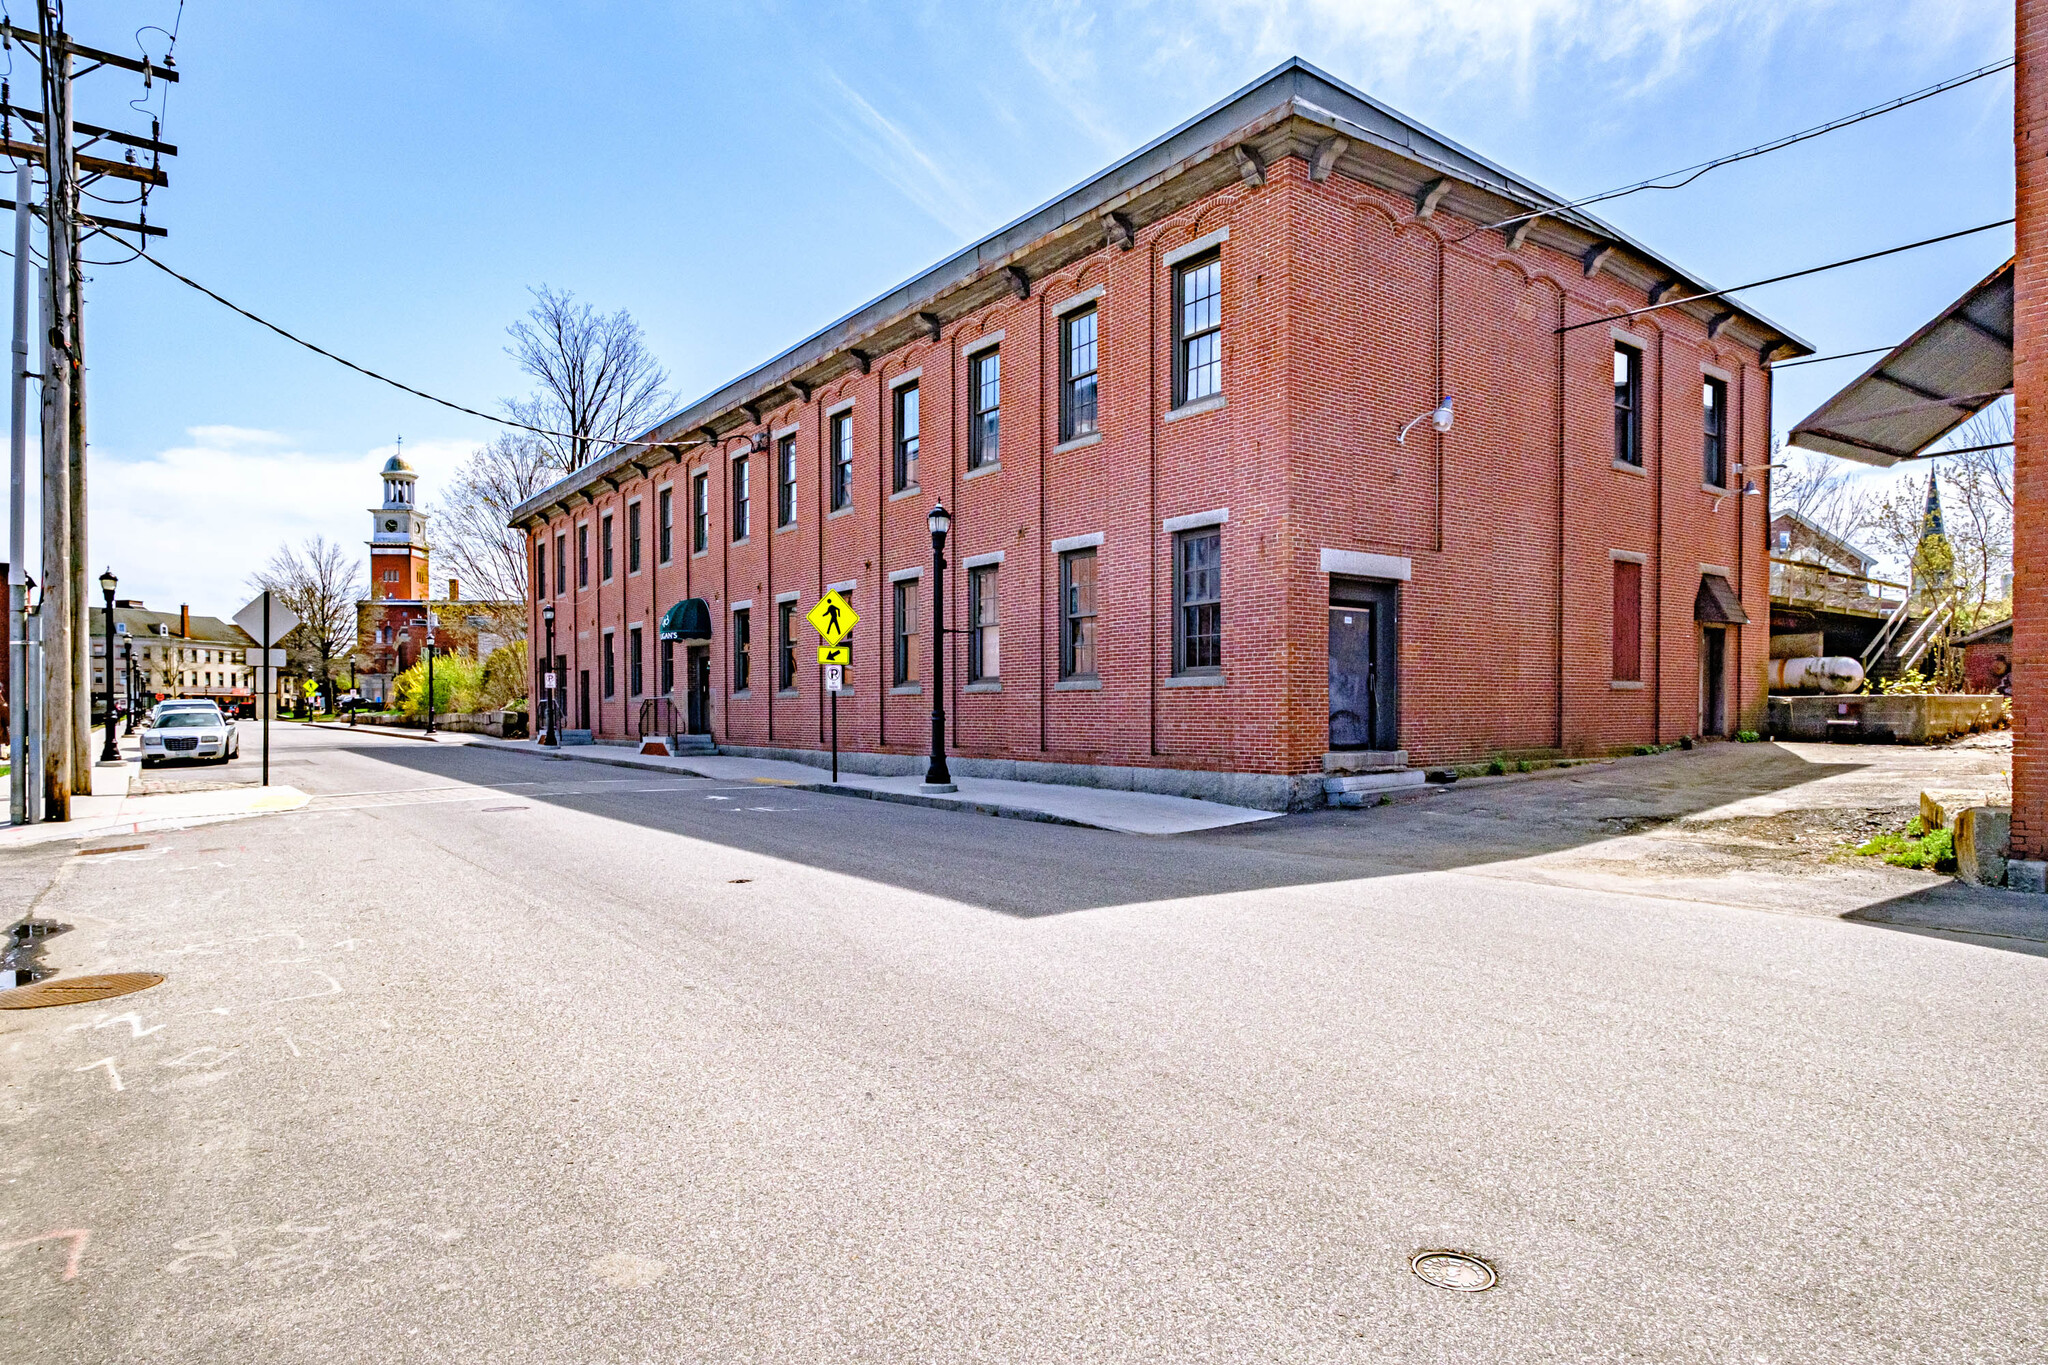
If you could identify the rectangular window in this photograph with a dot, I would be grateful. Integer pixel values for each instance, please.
(611, 676)
(668, 668)
(785, 645)
(604, 548)
(1628, 404)
(842, 461)
(665, 515)
(1077, 614)
(785, 481)
(905, 404)
(903, 666)
(700, 511)
(1628, 621)
(1078, 391)
(561, 564)
(540, 569)
(1198, 331)
(636, 678)
(1715, 418)
(583, 555)
(984, 635)
(742, 649)
(1198, 602)
(742, 497)
(984, 418)
(633, 537)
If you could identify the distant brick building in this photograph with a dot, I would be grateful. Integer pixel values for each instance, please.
(391, 624)
(1190, 537)
(174, 654)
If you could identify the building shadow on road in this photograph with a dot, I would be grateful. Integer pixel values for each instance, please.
(1029, 869)
(1987, 916)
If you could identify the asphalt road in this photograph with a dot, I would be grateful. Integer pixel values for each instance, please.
(488, 1057)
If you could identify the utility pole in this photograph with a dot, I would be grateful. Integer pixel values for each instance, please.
(19, 776)
(65, 682)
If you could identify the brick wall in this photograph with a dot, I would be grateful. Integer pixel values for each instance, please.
(2030, 459)
(1344, 316)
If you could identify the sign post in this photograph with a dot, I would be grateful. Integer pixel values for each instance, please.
(834, 619)
(269, 621)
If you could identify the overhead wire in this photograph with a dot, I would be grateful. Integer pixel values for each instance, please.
(1686, 175)
(1789, 275)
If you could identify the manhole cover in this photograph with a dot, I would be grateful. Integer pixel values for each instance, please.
(1452, 1270)
(76, 990)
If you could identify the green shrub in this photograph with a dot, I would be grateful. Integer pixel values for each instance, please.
(504, 678)
(1496, 768)
(1930, 850)
(1747, 736)
(457, 682)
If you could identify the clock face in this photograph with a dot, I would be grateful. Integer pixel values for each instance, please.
(391, 524)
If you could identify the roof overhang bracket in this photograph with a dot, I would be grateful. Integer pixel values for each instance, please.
(1519, 233)
(1020, 283)
(1251, 168)
(1429, 196)
(861, 359)
(1719, 321)
(1117, 228)
(1324, 159)
(1664, 290)
(801, 389)
(1595, 257)
(929, 322)
(753, 412)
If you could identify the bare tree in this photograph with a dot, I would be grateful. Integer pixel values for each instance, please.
(321, 585)
(471, 533)
(1822, 490)
(1977, 489)
(597, 380)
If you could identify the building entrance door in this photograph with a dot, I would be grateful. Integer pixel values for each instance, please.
(1713, 680)
(583, 699)
(697, 667)
(1364, 693)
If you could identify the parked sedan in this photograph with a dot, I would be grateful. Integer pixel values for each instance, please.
(190, 733)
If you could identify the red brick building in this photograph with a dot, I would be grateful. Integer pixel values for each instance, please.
(1192, 549)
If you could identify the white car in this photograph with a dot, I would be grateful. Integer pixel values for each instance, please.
(190, 732)
(163, 708)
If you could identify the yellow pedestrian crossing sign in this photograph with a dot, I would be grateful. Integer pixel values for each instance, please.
(833, 618)
(835, 654)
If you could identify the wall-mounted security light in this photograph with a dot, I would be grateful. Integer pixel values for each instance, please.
(1438, 417)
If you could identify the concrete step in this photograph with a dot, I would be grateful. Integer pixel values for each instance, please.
(1358, 789)
(693, 744)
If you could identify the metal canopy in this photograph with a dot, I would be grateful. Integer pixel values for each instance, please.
(1717, 603)
(689, 619)
(1929, 385)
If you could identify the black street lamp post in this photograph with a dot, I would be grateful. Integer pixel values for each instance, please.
(128, 675)
(111, 753)
(552, 735)
(430, 670)
(936, 777)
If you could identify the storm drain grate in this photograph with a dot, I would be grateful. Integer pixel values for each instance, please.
(1453, 1270)
(76, 990)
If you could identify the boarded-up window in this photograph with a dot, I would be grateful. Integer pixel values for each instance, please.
(1628, 621)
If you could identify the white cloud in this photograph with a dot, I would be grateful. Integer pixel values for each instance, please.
(889, 150)
(192, 523)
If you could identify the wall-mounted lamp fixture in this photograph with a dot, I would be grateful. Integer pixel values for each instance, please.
(1438, 417)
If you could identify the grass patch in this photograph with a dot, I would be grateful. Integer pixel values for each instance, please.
(1929, 850)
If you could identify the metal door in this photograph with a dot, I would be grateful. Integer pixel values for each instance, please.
(698, 667)
(1364, 701)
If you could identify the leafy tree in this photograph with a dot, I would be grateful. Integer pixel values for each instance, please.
(321, 584)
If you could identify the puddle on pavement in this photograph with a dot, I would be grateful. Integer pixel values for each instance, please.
(21, 959)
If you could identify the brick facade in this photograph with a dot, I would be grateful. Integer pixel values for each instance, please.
(2030, 460)
(1348, 308)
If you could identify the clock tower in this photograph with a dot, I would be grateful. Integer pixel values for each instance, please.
(398, 539)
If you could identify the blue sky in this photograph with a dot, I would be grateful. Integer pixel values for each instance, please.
(389, 179)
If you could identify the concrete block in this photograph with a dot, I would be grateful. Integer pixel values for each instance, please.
(2027, 874)
(1371, 782)
(1981, 835)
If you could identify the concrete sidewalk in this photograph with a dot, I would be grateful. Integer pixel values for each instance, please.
(1094, 807)
(110, 810)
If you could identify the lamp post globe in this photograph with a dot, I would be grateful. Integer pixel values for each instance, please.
(936, 777)
(110, 752)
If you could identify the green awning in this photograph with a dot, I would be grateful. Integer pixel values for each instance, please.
(689, 619)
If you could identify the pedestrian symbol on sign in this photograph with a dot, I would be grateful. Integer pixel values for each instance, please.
(833, 618)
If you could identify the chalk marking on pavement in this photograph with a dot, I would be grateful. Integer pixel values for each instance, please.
(131, 1019)
(78, 1238)
(192, 1058)
(289, 1043)
(112, 1074)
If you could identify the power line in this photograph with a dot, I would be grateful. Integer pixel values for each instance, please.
(1792, 275)
(387, 379)
(1839, 355)
(1689, 174)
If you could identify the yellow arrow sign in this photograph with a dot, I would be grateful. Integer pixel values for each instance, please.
(835, 654)
(833, 618)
